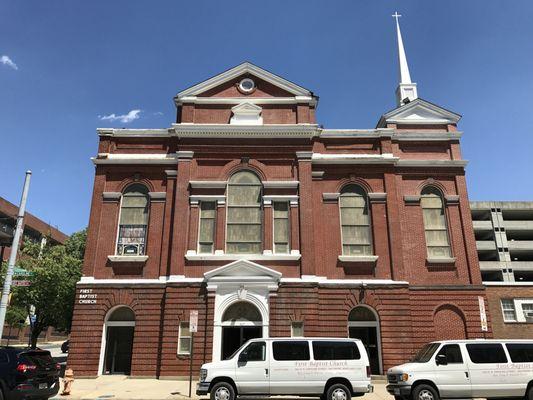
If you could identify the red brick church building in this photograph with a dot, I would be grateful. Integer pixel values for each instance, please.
(268, 224)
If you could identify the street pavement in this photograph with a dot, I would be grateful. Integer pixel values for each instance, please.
(120, 387)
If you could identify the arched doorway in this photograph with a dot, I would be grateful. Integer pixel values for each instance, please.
(363, 324)
(119, 328)
(241, 321)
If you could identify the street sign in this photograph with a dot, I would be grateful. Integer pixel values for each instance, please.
(21, 283)
(483, 314)
(193, 321)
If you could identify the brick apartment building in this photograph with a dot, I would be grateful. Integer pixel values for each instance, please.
(267, 224)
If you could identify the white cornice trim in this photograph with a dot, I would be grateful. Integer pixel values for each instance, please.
(244, 68)
(508, 283)
(193, 256)
(280, 184)
(247, 99)
(432, 163)
(324, 281)
(428, 136)
(339, 158)
(133, 132)
(356, 133)
(208, 184)
(245, 131)
(122, 158)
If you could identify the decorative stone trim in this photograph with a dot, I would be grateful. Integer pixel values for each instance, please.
(304, 155)
(195, 198)
(440, 261)
(335, 158)
(184, 155)
(192, 255)
(330, 197)
(290, 198)
(267, 202)
(157, 196)
(411, 200)
(208, 184)
(171, 173)
(377, 197)
(452, 199)
(358, 259)
(317, 175)
(127, 259)
(281, 184)
(111, 196)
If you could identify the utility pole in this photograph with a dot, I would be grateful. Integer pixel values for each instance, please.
(14, 251)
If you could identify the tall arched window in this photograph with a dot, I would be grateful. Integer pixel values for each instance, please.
(133, 223)
(355, 222)
(244, 220)
(437, 241)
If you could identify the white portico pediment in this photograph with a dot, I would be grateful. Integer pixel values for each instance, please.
(242, 272)
(246, 114)
(419, 112)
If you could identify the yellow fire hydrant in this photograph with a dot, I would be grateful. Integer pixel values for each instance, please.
(67, 382)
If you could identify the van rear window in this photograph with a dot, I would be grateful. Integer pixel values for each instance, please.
(290, 351)
(486, 353)
(520, 352)
(335, 351)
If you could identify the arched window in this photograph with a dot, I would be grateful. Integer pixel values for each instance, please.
(244, 220)
(437, 241)
(133, 222)
(242, 311)
(355, 222)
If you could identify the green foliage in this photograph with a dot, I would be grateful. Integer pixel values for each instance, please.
(55, 271)
(16, 316)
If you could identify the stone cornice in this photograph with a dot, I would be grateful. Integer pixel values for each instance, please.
(245, 131)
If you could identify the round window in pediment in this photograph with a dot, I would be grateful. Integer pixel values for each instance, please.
(247, 85)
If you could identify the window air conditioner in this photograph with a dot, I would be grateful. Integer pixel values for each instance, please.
(131, 249)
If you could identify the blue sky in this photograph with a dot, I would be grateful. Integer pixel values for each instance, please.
(69, 63)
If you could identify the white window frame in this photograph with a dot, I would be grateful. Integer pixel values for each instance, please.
(274, 226)
(181, 352)
(292, 328)
(520, 317)
(198, 251)
(370, 226)
(118, 225)
(261, 207)
(503, 311)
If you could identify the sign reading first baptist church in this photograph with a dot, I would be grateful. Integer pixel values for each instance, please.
(87, 296)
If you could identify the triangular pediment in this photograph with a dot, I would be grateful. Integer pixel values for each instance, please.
(246, 108)
(244, 69)
(242, 269)
(419, 112)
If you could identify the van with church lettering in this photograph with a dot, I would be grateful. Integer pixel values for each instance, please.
(335, 369)
(466, 369)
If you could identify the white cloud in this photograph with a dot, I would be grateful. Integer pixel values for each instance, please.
(8, 61)
(124, 118)
(158, 113)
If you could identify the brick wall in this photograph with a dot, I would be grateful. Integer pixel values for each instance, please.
(508, 330)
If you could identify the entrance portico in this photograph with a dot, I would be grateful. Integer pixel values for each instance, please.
(243, 285)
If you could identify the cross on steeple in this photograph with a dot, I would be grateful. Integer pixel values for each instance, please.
(396, 15)
(406, 90)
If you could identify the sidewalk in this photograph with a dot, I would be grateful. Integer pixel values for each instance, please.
(117, 387)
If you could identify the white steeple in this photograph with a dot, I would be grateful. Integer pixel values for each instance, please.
(406, 90)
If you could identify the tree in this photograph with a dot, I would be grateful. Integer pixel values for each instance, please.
(55, 269)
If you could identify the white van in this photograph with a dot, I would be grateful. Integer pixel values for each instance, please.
(466, 369)
(335, 368)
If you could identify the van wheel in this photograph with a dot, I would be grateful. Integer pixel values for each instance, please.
(425, 392)
(338, 391)
(529, 394)
(222, 391)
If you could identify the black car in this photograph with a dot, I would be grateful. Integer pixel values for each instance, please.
(64, 346)
(27, 374)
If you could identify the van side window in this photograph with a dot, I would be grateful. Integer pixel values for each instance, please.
(290, 351)
(335, 351)
(486, 353)
(255, 351)
(520, 352)
(452, 353)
